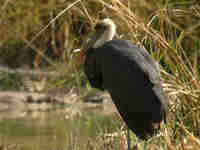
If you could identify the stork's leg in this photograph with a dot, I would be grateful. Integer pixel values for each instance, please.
(135, 147)
(128, 138)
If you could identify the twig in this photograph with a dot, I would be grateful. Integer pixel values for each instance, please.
(53, 20)
(29, 72)
(5, 4)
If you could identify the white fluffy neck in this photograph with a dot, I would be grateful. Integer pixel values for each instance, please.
(107, 35)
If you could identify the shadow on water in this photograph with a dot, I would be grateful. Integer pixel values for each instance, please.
(54, 129)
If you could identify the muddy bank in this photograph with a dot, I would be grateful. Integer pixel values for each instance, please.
(30, 104)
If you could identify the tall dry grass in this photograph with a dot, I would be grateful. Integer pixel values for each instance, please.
(169, 30)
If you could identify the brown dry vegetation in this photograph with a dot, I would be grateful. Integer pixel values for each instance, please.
(168, 29)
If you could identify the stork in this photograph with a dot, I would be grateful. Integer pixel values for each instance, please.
(130, 75)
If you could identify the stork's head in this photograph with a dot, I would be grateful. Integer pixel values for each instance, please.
(104, 31)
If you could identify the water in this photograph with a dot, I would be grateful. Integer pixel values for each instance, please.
(54, 129)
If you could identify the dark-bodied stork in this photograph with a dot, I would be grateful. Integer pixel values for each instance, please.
(130, 75)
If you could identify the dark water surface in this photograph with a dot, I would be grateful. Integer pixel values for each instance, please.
(54, 129)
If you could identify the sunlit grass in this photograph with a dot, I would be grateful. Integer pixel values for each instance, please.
(169, 30)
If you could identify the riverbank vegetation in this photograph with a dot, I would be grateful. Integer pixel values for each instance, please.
(168, 29)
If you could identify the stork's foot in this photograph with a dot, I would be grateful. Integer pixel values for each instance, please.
(138, 146)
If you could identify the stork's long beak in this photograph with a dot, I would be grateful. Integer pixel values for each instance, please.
(105, 31)
(94, 38)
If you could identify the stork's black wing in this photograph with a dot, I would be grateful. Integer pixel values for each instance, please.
(132, 78)
(130, 56)
(136, 64)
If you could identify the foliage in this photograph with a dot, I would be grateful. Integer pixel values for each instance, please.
(169, 29)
